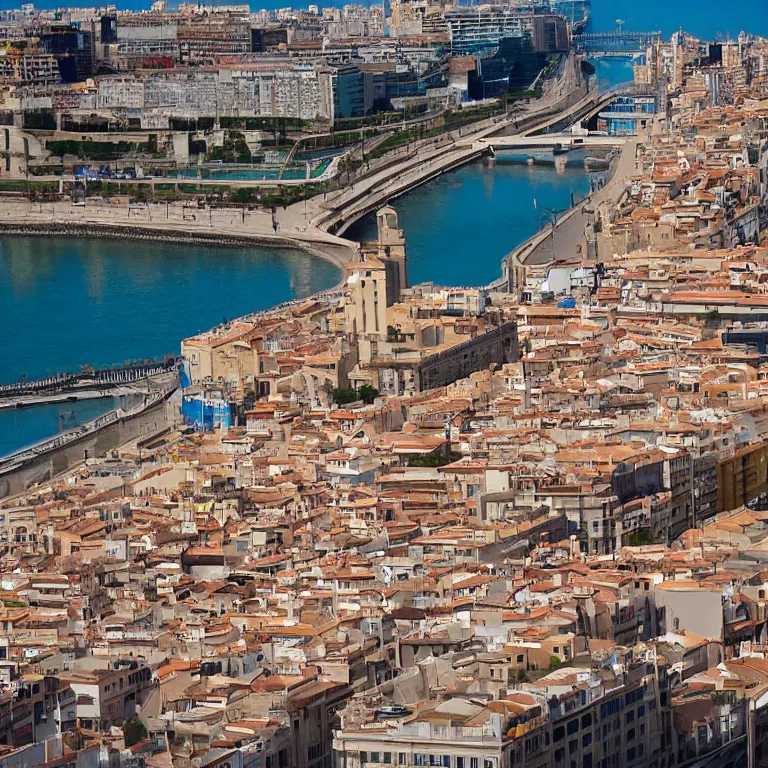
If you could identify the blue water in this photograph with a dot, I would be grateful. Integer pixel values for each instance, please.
(459, 227)
(610, 72)
(70, 302)
(30, 425)
(705, 18)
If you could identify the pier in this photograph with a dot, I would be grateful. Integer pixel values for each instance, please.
(75, 384)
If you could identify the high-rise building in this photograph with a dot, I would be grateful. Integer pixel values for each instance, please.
(72, 50)
(348, 86)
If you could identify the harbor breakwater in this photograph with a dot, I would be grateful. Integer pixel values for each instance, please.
(334, 253)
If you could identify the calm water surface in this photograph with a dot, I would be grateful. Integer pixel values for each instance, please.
(705, 19)
(21, 428)
(68, 302)
(459, 227)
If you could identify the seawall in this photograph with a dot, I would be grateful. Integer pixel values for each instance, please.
(335, 253)
(44, 467)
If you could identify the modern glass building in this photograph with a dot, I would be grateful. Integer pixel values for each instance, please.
(348, 85)
(515, 64)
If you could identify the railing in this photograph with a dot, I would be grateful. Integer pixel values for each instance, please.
(89, 427)
(106, 376)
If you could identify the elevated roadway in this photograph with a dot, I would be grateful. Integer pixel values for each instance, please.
(338, 214)
(548, 141)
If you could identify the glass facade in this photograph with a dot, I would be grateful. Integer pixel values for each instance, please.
(348, 92)
(514, 65)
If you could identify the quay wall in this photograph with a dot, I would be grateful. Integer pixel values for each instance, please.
(328, 251)
(45, 466)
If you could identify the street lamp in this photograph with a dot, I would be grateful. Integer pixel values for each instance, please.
(552, 215)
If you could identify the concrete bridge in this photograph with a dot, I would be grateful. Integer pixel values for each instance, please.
(345, 208)
(617, 42)
(548, 141)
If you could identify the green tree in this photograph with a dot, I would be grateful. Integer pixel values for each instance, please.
(344, 395)
(368, 394)
(134, 731)
(434, 459)
(641, 537)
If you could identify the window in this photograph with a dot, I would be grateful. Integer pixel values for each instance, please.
(586, 739)
(586, 720)
(388, 758)
(473, 762)
(375, 757)
(364, 757)
(558, 733)
(520, 658)
(631, 754)
(573, 726)
(459, 762)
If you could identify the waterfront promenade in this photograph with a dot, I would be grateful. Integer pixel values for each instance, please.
(314, 225)
(176, 221)
(571, 228)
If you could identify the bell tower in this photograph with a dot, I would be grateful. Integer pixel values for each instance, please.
(391, 252)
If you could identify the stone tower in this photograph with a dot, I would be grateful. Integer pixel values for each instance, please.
(391, 252)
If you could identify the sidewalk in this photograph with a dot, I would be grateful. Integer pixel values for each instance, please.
(292, 226)
(570, 229)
